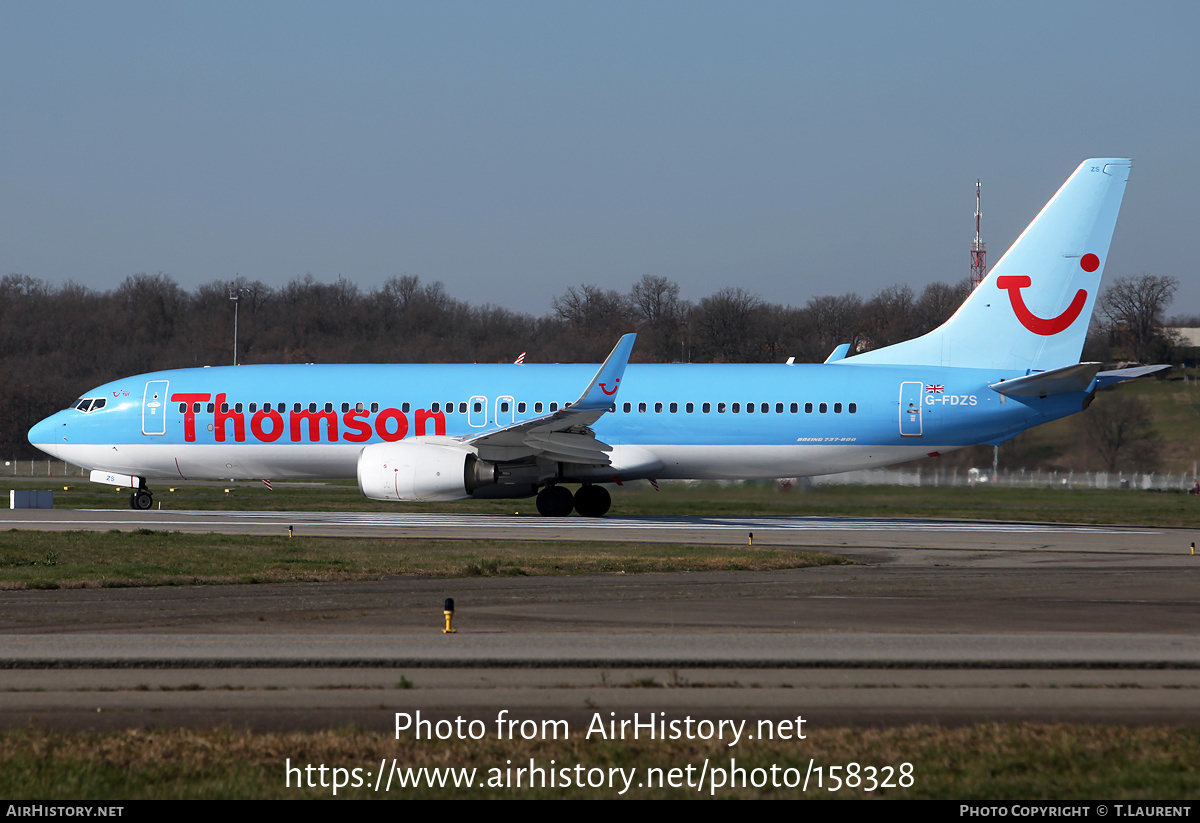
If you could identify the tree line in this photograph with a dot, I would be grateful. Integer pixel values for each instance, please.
(56, 342)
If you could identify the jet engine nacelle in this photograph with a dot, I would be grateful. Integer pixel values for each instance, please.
(421, 470)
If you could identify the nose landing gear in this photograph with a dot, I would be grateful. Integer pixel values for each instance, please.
(141, 499)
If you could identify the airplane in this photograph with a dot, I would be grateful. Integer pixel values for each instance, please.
(1006, 361)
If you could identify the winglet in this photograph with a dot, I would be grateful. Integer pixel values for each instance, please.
(602, 391)
(839, 353)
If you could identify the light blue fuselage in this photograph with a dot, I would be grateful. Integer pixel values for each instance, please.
(817, 418)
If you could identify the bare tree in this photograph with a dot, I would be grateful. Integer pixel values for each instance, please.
(834, 320)
(1119, 428)
(938, 301)
(660, 315)
(1132, 310)
(591, 308)
(890, 316)
(726, 325)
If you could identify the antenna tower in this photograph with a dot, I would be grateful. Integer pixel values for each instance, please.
(978, 247)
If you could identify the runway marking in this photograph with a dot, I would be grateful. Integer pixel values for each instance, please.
(490, 521)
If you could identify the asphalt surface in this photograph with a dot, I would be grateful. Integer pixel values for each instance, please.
(940, 622)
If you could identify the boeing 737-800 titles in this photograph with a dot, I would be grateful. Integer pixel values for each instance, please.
(1006, 361)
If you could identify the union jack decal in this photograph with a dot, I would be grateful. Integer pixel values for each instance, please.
(938, 389)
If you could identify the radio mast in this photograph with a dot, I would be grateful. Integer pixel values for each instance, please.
(978, 247)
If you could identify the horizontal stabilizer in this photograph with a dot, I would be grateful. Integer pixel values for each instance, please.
(1077, 378)
(1114, 376)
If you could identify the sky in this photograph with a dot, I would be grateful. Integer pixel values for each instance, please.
(511, 150)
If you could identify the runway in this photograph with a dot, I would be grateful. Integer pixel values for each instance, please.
(850, 533)
(939, 622)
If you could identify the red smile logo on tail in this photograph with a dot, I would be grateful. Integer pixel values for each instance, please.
(1039, 325)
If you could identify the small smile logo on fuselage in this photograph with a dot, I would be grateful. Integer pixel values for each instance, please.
(613, 390)
(1013, 284)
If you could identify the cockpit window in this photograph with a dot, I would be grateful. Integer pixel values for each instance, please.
(88, 404)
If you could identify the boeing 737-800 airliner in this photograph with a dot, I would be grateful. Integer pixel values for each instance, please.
(1006, 361)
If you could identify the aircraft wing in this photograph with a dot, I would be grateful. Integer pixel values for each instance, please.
(564, 435)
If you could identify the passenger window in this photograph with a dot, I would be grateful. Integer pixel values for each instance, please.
(404, 407)
(521, 407)
(658, 408)
(224, 408)
(462, 408)
(824, 408)
(766, 407)
(253, 408)
(182, 408)
(212, 407)
(435, 408)
(628, 407)
(837, 408)
(238, 408)
(345, 408)
(478, 407)
(641, 408)
(720, 408)
(312, 407)
(450, 408)
(195, 408)
(737, 407)
(808, 408)
(674, 408)
(749, 408)
(296, 408)
(503, 407)
(374, 408)
(359, 407)
(328, 407)
(691, 407)
(553, 407)
(853, 408)
(795, 407)
(706, 408)
(537, 407)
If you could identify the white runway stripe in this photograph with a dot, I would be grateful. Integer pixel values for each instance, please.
(492, 522)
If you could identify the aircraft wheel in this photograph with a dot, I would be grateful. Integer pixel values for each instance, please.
(141, 500)
(555, 501)
(592, 501)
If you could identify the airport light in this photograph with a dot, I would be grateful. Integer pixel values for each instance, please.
(236, 293)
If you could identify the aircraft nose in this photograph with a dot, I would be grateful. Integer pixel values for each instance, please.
(43, 435)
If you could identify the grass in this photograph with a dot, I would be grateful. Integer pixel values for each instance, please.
(40, 560)
(979, 762)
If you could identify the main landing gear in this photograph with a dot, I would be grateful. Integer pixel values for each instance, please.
(141, 499)
(589, 501)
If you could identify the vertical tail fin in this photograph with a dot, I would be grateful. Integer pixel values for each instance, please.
(1032, 310)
